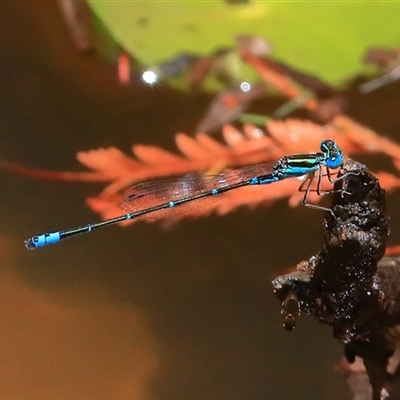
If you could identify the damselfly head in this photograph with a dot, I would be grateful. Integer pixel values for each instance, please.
(333, 155)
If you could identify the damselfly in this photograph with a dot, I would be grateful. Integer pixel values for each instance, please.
(147, 198)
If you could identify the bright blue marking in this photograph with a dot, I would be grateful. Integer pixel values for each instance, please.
(254, 181)
(171, 204)
(335, 161)
(45, 239)
(90, 227)
(214, 191)
(299, 171)
(270, 179)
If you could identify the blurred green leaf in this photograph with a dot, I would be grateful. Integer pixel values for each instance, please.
(319, 37)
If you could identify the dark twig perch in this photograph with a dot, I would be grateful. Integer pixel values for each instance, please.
(341, 285)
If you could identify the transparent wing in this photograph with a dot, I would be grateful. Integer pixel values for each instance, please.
(197, 189)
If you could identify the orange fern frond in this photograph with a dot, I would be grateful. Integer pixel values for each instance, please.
(44, 174)
(247, 147)
(204, 154)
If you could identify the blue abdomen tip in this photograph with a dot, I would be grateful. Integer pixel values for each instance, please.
(42, 240)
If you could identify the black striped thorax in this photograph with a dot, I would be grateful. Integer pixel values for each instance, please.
(298, 164)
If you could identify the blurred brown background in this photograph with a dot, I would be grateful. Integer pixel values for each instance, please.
(138, 312)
